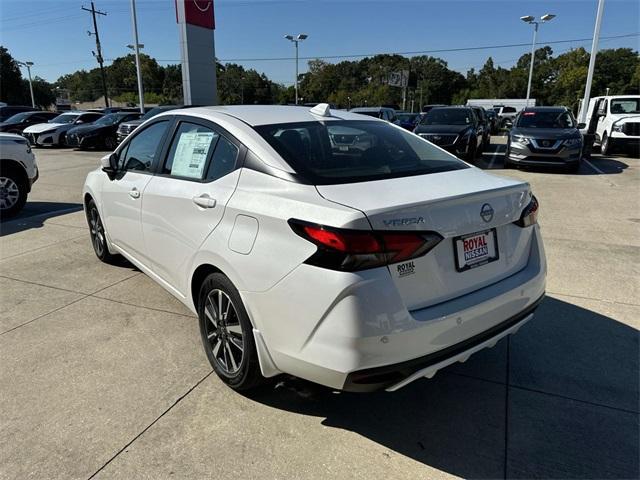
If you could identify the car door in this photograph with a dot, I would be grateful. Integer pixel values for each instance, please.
(186, 199)
(122, 196)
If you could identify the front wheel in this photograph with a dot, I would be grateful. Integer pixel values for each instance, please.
(110, 143)
(227, 334)
(606, 147)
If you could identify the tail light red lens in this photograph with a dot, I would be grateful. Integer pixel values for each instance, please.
(529, 214)
(352, 250)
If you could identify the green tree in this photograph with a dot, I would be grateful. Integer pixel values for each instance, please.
(11, 84)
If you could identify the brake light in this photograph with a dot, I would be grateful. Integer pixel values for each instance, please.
(352, 250)
(529, 214)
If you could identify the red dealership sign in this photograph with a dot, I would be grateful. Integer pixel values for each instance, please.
(196, 12)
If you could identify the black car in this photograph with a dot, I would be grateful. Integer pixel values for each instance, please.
(18, 122)
(127, 127)
(492, 116)
(10, 110)
(483, 125)
(428, 108)
(408, 121)
(101, 133)
(453, 128)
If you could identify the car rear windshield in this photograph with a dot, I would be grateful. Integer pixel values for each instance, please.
(447, 116)
(553, 119)
(333, 152)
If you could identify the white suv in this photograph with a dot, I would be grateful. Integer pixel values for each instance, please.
(321, 244)
(18, 172)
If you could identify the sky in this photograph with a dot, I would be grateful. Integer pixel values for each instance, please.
(53, 33)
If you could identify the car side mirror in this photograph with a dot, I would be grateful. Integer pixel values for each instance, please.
(79, 122)
(580, 126)
(109, 165)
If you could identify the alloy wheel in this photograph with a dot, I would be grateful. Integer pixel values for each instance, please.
(97, 231)
(9, 193)
(224, 332)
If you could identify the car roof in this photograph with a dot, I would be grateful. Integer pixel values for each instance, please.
(545, 109)
(255, 115)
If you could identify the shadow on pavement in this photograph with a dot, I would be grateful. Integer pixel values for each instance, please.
(570, 410)
(34, 215)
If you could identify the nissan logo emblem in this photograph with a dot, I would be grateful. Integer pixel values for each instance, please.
(486, 212)
(546, 143)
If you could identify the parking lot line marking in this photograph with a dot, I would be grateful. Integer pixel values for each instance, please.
(594, 167)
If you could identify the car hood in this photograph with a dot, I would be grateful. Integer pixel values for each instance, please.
(626, 118)
(549, 133)
(87, 129)
(457, 129)
(43, 127)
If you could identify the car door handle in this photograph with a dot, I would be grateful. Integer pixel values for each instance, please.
(134, 193)
(204, 201)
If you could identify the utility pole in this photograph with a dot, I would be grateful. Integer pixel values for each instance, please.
(99, 50)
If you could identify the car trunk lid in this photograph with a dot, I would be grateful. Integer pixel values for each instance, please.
(453, 204)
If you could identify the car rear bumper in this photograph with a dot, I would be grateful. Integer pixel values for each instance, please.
(355, 326)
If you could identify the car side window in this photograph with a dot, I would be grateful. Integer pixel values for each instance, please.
(190, 149)
(223, 160)
(141, 150)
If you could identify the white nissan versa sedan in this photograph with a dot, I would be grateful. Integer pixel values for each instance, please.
(327, 245)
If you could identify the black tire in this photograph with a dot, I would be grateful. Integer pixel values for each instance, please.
(606, 147)
(472, 152)
(98, 235)
(232, 355)
(110, 143)
(14, 189)
(573, 168)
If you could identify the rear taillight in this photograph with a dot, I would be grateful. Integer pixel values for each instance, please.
(529, 214)
(351, 250)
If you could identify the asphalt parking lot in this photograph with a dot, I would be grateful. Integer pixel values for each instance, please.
(103, 375)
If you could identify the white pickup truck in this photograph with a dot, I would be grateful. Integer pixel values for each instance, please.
(615, 121)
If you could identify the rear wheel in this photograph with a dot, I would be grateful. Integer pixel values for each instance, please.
(227, 334)
(13, 192)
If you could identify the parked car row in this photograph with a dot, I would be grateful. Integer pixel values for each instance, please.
(102, 128)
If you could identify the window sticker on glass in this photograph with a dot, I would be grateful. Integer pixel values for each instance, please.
(191, 154)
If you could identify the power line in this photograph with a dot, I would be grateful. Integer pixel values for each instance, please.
(420, 52)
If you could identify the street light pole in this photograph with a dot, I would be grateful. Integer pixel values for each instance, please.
(592, 63)
(533, 54)
(29, 65)
(297, 39)
(136, 47)
(531, 20)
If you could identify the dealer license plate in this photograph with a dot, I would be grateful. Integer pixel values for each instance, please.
(476, 249)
